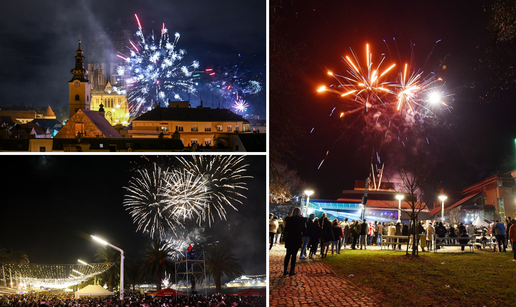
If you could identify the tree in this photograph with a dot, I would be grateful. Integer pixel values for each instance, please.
(135, 273)
(414, 173)
(157, 260)
(220, 262)
(109, 255)
(284, 183)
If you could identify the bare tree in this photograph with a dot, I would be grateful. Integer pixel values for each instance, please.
(414, 173)
(284, 183)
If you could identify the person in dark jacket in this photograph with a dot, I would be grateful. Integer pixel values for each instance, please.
(337, 234)
(315, 236)
(440, 231)
(306, 236)
(294, 228)
(326, 237)
(364, 228)
(355, 234)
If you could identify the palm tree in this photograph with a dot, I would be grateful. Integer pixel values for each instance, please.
(108, 255)
(157, 260)
(134, 273)
(221, 261)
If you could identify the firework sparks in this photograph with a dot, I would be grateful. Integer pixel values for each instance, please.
(234, 80)
(153, 71)
(385, 104)
(147, 201)
(162, 200)
(240, 105)
(225, 176)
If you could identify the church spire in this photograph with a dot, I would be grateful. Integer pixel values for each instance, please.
(79, 71)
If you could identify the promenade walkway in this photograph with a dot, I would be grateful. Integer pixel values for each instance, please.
(313, 285)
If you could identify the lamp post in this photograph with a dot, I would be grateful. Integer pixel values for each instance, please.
(399, 197)
(121, 263)
(442, 198)
(308, 193)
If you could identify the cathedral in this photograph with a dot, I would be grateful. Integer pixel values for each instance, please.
(103, 76)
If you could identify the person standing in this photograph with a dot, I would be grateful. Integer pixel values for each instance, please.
(327, 236)
(499, 232)
(509, 222)
(337, 234)
(355, 234)
(307, 235)
(512, 238)
(364, 229)
(315, 236)
(379, 234)
(279, 231)
(273, 227)
(345, 229)
(294, 228)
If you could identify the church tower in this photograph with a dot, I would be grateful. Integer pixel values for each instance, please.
(79, 86)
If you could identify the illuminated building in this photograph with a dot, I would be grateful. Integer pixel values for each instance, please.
(381, 205)
(102, 72)
(490, 199)
(78, 87)
(194, 126)
(248, 281)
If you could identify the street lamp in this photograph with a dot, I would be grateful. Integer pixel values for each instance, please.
(308, 193)
(442, 198)
(121, 263)
(399, 197)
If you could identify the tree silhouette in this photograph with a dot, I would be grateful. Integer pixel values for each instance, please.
(220, 262)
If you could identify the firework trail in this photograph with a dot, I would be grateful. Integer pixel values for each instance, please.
(225, 176)
(153, 71)
(240, 105)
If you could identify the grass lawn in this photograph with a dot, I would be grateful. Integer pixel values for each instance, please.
(441, 279)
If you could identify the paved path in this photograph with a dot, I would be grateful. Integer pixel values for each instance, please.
(313, 285)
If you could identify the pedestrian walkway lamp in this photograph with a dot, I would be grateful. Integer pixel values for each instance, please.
(121, 263)
(442, 198)
(399, 197)
(308, 193)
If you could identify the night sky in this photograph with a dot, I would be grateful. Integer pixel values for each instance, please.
(472, 140)
(39, 40)
(52, 204)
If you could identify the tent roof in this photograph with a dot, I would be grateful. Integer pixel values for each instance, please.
(93, 290)
(480, 222)
(167, 292)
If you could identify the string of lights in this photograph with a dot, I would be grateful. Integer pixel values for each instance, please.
(57, 276)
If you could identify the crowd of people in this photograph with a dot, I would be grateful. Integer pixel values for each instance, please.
(63, 299)
(312, 234)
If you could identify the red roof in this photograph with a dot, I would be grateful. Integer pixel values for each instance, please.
(437, 209)
(249, 292)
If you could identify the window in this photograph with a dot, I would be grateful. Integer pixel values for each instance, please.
(42, 149)
(194, 128)
(207, 128)
(207, 142)
(230, 128)
(79, 129)
(77, 98)
(179, 128)
(236, 128)
(219, 128)
(194, 141)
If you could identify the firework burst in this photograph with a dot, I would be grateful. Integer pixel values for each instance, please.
(225, 176)
(147, 202)
(153, 71)
(240, 105)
